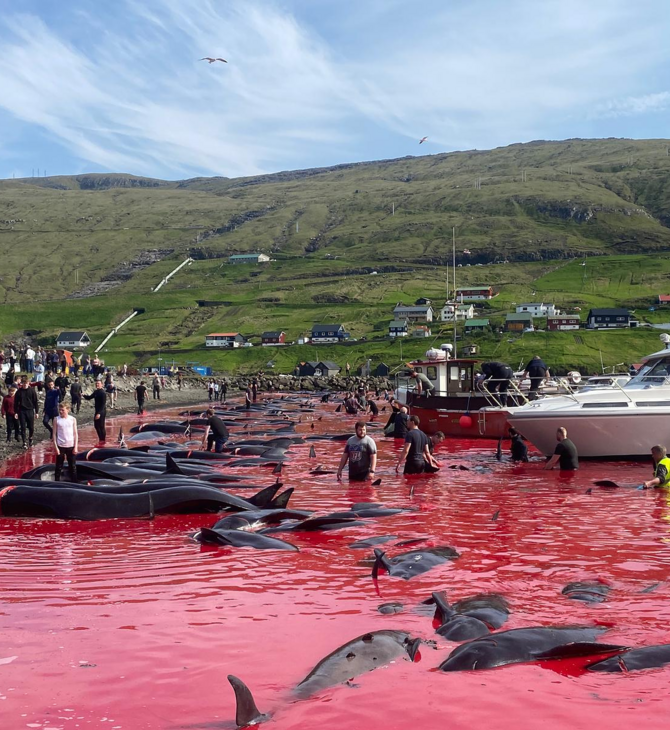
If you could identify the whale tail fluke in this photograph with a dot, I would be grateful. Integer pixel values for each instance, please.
(246, 713)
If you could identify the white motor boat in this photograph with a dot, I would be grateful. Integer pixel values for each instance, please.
(621, 420)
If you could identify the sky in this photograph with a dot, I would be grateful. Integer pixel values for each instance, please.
(91, 86)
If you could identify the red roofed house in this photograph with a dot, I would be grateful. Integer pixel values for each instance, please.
(224, 339)
(664, 298)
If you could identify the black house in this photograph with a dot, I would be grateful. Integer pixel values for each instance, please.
(608, 318)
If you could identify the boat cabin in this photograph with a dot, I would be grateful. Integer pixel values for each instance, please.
(450, 377)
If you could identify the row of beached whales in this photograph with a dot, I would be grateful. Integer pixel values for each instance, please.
(177, 478)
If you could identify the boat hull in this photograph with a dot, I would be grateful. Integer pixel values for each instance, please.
(486, 425)
(598, 435)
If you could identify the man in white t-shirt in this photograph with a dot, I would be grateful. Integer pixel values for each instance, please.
(361, 453)
(66, 442)
(30, 359)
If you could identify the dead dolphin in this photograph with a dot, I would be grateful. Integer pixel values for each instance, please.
(491, 608)
(455, 626)
(645, 657)
(589, 592)
(390, 608)
(532, 644)
(312, 524)
(407, 565)
(266, 516)
(241, 538)
(371, 542)
(357, 657)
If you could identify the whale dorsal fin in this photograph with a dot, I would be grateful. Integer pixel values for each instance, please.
(171, 466)
(282, 500)
(246, 713)
(264, 498)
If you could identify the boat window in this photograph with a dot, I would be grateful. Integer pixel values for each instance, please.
(620, 404)
(653, 403)
(431, 372)
(454, 373)
(418, 369)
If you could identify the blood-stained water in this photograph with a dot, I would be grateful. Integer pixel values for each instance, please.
(130, 624)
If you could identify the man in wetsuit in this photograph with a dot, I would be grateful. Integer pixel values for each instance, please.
(499, 376)
(99, 398)
(661, 469)
(216, 433)
(537, 371)
(75, 395)
(565, 454)
(27, 407)
(361, 453)
(518, 449)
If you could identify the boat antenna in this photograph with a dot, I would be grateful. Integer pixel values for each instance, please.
(453, 249)
(602, 365)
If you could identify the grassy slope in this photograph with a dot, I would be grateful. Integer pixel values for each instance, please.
(582, 197)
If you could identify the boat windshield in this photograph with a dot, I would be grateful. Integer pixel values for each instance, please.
(656, 372)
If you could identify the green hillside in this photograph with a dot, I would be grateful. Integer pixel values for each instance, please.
(109, 239)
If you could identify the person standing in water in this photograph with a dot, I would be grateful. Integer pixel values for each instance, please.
(565, 454)
(661, 469)
(361, 453)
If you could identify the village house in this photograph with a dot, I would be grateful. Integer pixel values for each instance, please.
(225, 339)
(664, 298)
(609, 318)
(474, 293)
(414, 313)
(325, 333)
(538, 309)
(423, 301)
(563, 322)
(324, 368)
(476, 325)
(420, 330)
(248, 258)
(398, 328)
(463, 312)
(273, 339)
(518, 322)
(72, 340)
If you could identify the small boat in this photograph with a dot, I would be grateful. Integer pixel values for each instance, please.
(612, 420)
(457, 406)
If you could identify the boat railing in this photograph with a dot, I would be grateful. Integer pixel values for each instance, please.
(514, 392)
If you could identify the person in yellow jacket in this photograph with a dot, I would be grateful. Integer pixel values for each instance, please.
(661, 469)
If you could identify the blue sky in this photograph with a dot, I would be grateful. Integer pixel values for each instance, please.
(91, 86)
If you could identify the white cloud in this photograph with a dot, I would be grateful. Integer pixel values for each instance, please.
(633, 105)
(308, 86)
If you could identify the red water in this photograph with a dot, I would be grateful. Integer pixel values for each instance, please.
(129, 624)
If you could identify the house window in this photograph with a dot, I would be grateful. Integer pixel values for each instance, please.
(620, 319)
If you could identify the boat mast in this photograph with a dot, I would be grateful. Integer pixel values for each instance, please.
(453, 247)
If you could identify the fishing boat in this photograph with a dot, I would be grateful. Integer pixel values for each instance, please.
(615, 421)
(456, 407)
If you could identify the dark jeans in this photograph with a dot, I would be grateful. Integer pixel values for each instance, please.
(27, 421)
(218, 443)
(76, 403)
(100, 429)
(66, 452)
(30, 366)
(157, 392)
(140, 407)
(534, 386)
(12, 427)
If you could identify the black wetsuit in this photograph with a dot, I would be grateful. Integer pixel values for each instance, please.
(99, 398)
(518, 449)
(75, 396)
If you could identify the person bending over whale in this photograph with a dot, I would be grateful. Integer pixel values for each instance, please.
(361, 453)
(216, 433)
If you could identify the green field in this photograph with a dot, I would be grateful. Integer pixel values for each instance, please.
(589, 228)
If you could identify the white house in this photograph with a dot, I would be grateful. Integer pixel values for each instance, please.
(72, 340)
(463, 312)
(414, 313)
(248, 258)
(538, 309)
(224, 339)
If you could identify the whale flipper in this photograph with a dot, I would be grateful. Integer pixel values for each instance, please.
(246, 711)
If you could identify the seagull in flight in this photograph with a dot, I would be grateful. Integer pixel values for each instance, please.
(422, 140)
(212, 60)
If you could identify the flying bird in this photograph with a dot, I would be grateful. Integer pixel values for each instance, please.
(422, 140)
(212, 60)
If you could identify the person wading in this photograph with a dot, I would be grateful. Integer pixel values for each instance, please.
(661, 469)
(216, 434)
(99, 398)
(416, 452)
(565, 454)
(361, 453)
(66, 442)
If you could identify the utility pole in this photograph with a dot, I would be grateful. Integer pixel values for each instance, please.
(453, 249)
(392, 208)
